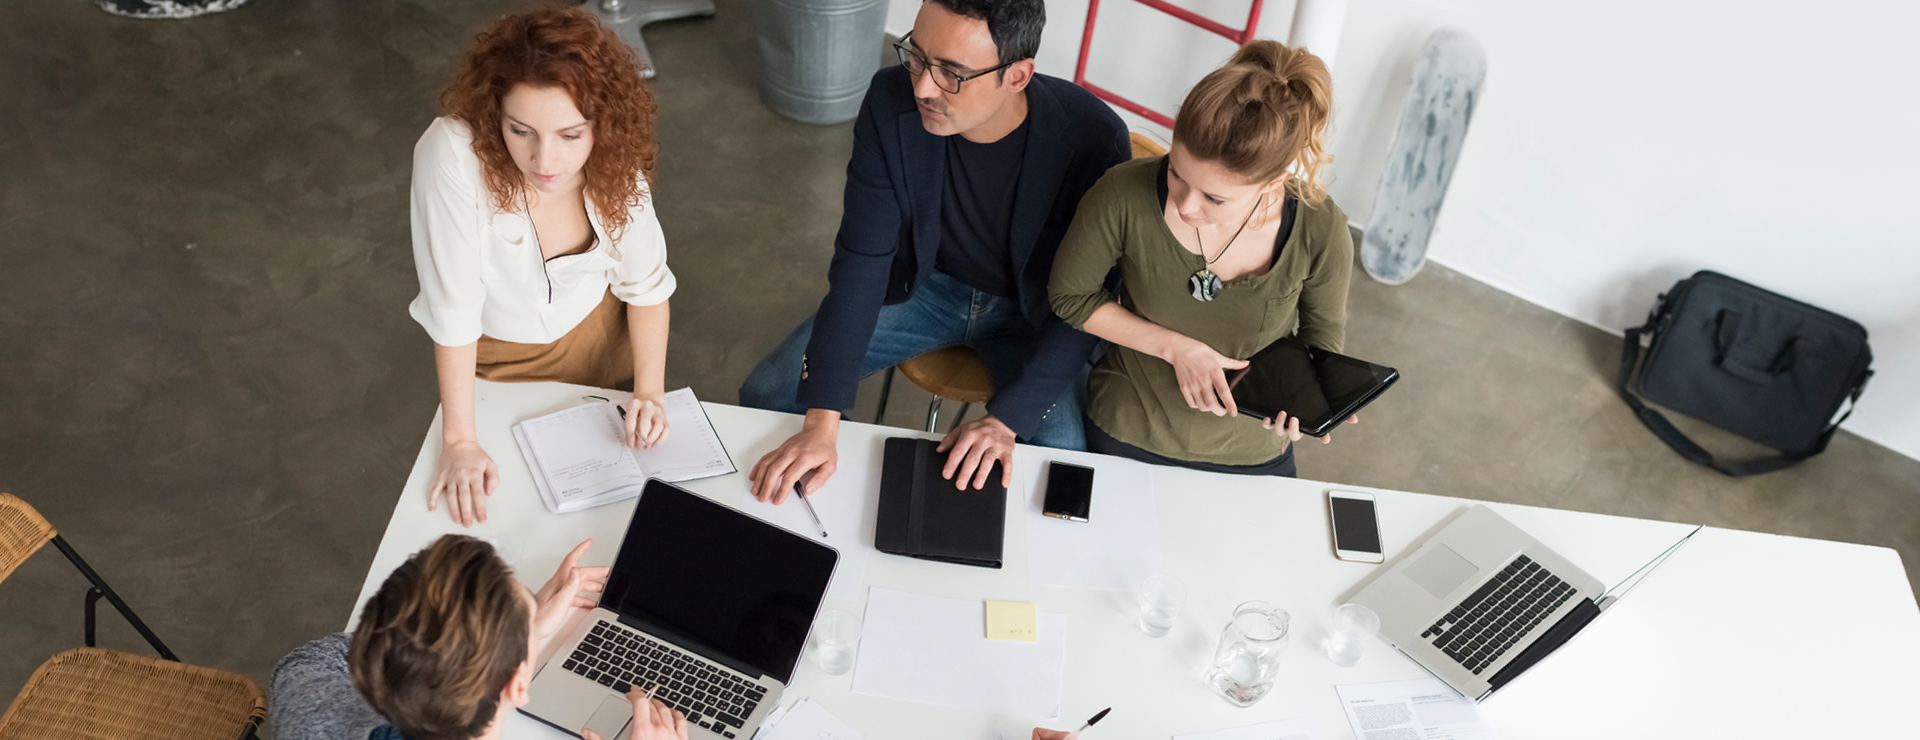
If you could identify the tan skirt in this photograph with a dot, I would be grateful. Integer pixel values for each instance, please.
(598, 352)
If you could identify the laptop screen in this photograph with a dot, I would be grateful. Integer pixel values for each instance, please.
(719, 581)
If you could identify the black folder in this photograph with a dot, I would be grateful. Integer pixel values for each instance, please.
(923, 516)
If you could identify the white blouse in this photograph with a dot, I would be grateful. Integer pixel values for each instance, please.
(480, 270)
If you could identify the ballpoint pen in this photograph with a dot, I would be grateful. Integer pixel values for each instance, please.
(800, 489)
(1083, 728)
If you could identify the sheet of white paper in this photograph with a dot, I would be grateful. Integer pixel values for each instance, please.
(810, 721)
(1286, 729)
(771, 721)
(1119, 544)
(934, 650)
(846, 505)
(579, 457)
(580, 453)
(1421, 709)
(692, 449)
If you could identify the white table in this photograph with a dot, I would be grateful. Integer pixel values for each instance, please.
(1740, 634)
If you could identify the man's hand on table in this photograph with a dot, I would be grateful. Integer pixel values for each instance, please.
(568, 589)
(810, 451)
(465, 478)
(974, 446)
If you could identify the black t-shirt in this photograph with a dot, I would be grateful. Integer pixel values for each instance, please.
(976, 211)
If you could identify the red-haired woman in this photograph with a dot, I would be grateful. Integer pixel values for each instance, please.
(538, 251)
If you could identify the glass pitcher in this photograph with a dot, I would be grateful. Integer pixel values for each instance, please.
(1248, 659)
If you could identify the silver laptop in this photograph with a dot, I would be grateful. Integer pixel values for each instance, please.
(705, 602)
(1482, 601)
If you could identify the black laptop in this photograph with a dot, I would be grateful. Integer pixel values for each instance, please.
(708, 603)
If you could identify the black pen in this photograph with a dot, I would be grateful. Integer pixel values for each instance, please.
(800, 489)
(1096, 718)
(616, 407)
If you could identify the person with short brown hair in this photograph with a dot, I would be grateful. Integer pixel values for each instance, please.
(539, 253)
(444, 651)
(1225, 244)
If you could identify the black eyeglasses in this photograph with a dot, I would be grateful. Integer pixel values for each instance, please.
(948, 80)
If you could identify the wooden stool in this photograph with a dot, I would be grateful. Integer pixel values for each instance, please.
(1144, 147)
(93, 694)
(949, 372)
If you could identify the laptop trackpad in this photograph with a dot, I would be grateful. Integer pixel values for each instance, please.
(610, 718)
(1440, 571)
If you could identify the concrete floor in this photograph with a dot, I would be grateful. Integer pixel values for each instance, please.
(209, 382)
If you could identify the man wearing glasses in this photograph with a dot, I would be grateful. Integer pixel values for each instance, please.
(967, 166)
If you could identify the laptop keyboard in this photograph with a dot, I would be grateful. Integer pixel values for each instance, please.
(1488, 623)
(619, 658)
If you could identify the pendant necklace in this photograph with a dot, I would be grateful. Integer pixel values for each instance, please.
(1205, 283)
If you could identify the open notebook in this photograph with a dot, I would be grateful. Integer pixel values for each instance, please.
(578, 459)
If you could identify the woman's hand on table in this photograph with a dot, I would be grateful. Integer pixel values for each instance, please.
(568, 589)
(1202, 375)
(1041, 733)
(646, 420)
(465, 478)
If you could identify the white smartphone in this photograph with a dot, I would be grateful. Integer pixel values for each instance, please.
(1356, 531)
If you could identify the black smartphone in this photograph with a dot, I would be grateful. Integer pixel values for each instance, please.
(1069, 491)
(1356, 531)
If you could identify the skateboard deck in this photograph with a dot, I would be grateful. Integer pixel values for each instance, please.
(1426, 146)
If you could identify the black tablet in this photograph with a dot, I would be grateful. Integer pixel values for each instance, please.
(1321, 388)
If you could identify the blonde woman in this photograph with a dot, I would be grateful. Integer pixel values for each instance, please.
(1224, 245)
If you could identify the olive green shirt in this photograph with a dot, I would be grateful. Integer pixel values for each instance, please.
(1135, 397)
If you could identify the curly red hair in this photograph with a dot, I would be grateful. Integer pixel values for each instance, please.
(563, 47)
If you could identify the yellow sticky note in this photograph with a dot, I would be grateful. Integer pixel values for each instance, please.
(1012, 620)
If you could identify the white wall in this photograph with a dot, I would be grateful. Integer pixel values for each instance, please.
(1621, 146)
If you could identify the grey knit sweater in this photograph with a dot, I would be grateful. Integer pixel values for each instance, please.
(314, 698)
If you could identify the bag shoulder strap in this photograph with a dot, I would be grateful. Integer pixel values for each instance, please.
(1692, 451)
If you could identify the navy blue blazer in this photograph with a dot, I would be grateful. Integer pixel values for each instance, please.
(894, 185)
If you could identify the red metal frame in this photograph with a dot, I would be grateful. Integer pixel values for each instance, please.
(1237, 36)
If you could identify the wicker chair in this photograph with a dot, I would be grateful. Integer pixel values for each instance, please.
(90, 693)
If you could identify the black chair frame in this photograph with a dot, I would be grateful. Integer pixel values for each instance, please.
(99, 589)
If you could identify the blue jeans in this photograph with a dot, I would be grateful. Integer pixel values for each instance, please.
(943, 312)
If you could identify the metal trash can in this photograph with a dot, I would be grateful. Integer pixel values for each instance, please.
(817, 56)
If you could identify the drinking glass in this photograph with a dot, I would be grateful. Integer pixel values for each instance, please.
(835, 634)
(1160, 599)
(1249, 655)
(1353, 626)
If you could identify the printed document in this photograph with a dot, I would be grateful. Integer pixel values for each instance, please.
(934, 650)
(1422, 709)
(1119, 544)
(579, 459)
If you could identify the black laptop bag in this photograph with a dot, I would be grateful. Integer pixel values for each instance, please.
(1752, 362)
